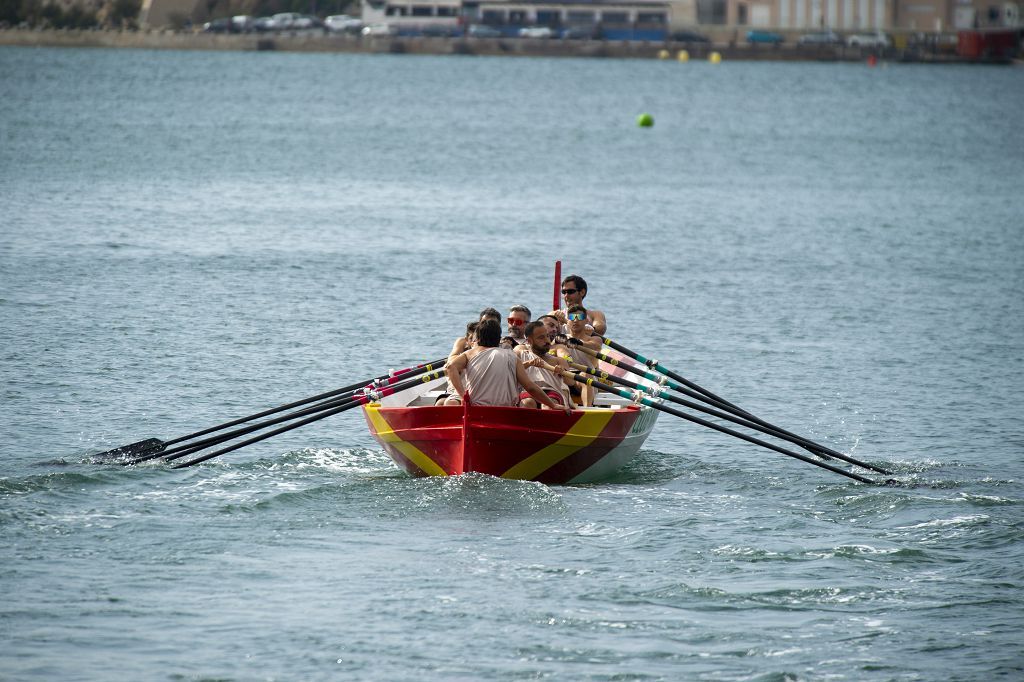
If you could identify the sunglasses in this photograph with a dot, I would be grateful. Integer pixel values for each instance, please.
(567, 292)
(578, 317)
(515, 322)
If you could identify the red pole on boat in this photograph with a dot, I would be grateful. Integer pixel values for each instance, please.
(558, 284)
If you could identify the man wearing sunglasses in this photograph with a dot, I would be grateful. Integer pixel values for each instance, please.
(574, 290)
(518, 317)
(580, 334)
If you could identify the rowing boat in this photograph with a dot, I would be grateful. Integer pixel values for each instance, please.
(549, 446)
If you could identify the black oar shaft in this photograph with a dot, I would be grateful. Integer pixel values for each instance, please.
(217, 453)
(675, 386)
(703, 422)
(188, 448)
(152, 448)
(665, 395)
(654, 364)
(768, 430)
(346, 389)
(354, 402)
(708, 396)
(171, 454)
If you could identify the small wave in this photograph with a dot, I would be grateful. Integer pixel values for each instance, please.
(355, 460)
(716, 599)
(53, 481)
(987, 500)
(478, 496)
(753, 554)
(649, 466)
(290, 498)
(957, 521)
(867, 553)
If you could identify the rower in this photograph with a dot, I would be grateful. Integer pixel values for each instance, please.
(581, 334)
(518, 317)
(490, 374)
(463, 343)
(541, 367)
(574, 290)
(552, 325)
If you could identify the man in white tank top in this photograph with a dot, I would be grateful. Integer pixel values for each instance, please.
(492, 375)
(541, 367)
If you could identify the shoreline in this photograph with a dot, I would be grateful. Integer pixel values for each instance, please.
(521, 47)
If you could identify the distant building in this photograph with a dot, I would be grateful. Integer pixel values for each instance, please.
(160, 13)
(811, 15)
(625, 19)
(937, 16)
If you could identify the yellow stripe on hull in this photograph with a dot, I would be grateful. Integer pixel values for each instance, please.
(583, 433)
(387, 434)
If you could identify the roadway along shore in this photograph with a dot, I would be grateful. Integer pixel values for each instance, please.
(317, 41)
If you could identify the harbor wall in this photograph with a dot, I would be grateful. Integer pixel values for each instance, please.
(321, 42)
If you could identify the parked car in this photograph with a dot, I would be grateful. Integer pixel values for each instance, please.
(766, 37)
(292, 21)
(536, 32)
(379, 30)
(689, 37)
(439, 30)
(483, 31)
(242, 23)
(876, 39)
(263, 24)
(822, 38)
(282, 21)
(343, 23)
(582, 32)
(222, 25)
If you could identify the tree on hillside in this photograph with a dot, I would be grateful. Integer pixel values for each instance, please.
(124, 13)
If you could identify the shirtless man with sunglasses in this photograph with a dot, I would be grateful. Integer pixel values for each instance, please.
(580, 333)
(574, 290)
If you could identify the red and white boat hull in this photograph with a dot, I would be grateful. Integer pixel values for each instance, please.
(548, 446)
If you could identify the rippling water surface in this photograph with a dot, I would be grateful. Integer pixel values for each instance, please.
(191, 237)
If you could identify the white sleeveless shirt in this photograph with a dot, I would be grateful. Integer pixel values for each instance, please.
(490, 378)
(545, 379)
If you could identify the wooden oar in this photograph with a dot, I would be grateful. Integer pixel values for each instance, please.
(636, 397)
(157, 446)
(664, 394)
(189, 448)
(709, 397)
(356, 401)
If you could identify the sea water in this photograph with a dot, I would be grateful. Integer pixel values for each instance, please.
(191, 237)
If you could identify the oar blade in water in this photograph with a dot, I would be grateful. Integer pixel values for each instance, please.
(138, 449)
